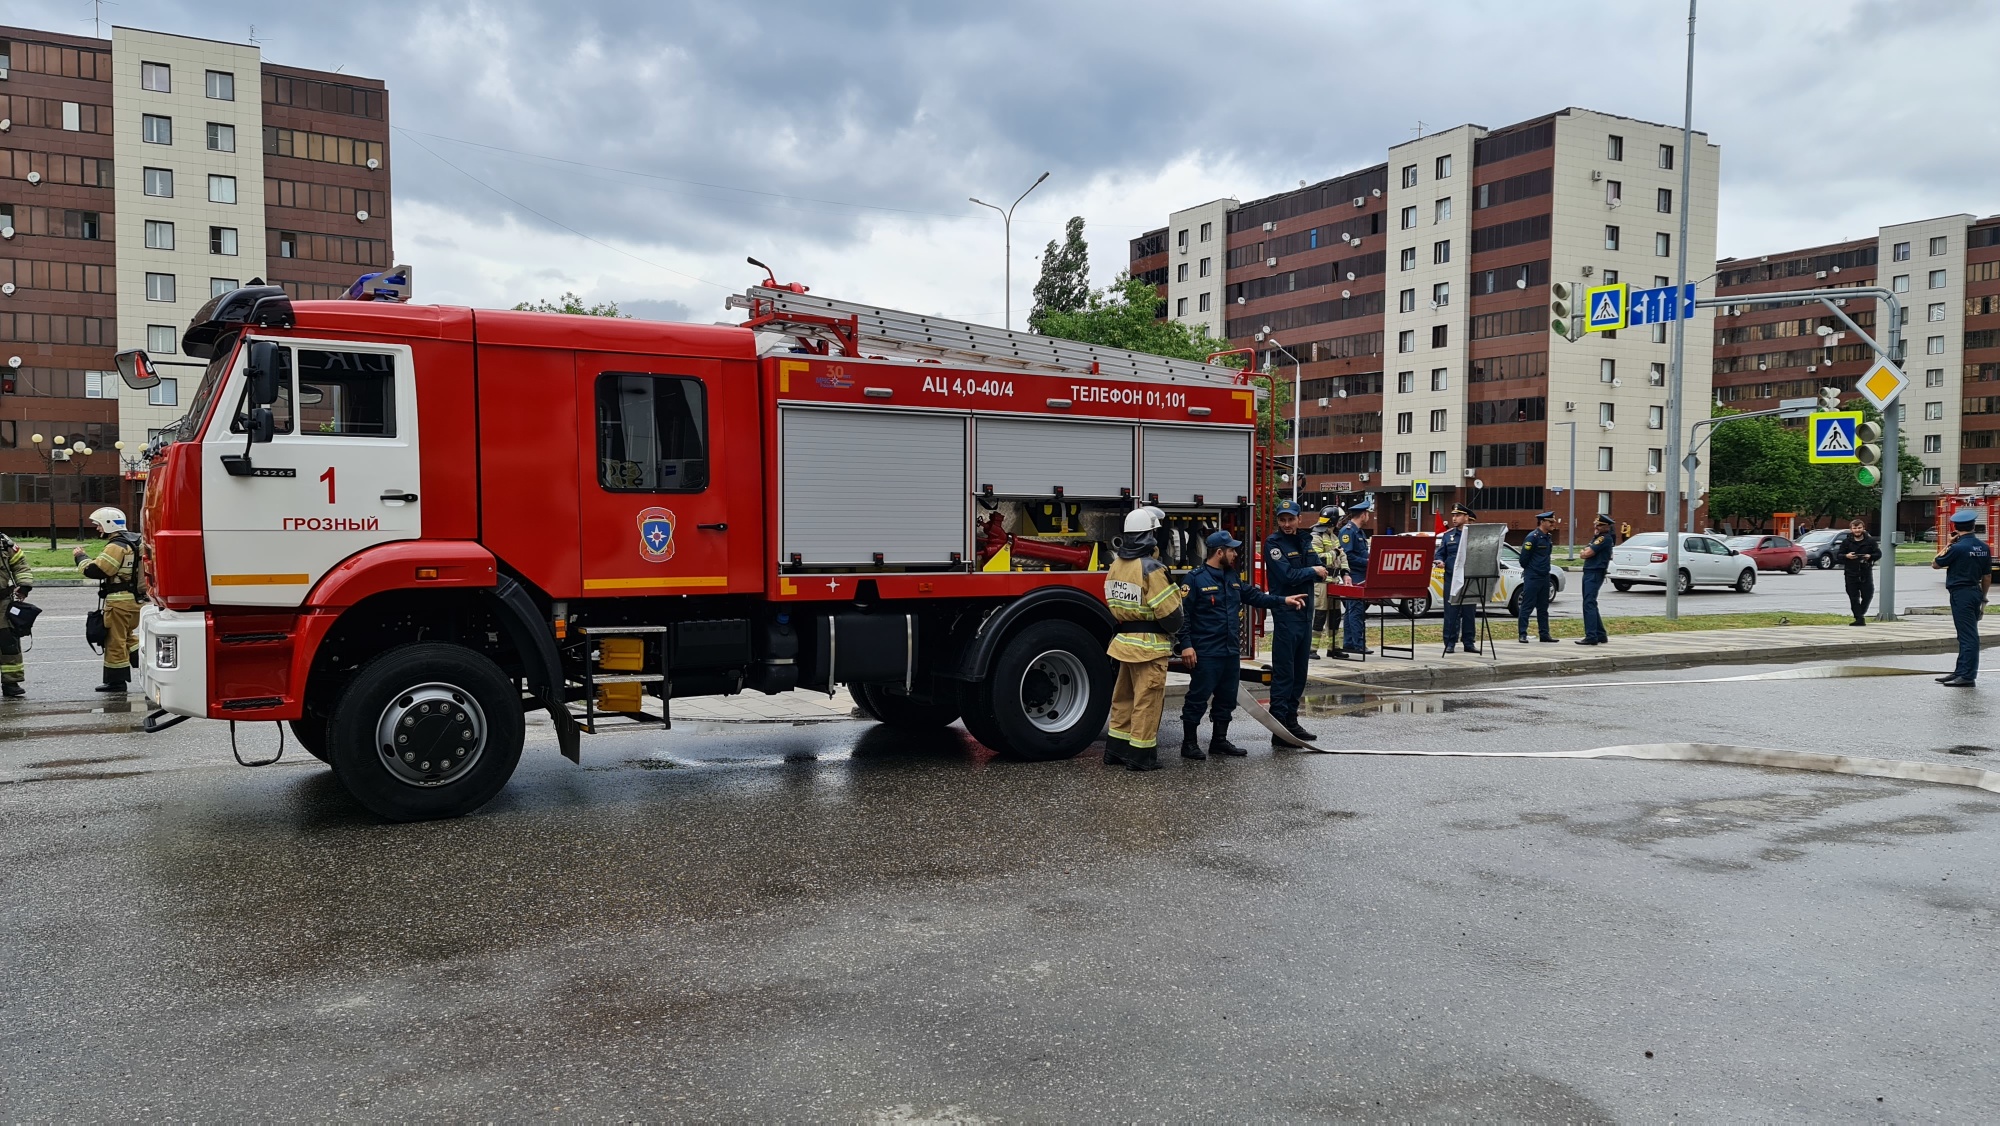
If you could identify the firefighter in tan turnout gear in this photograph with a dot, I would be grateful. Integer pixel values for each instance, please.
(1143, 597)
(15, 579)
(116, 570)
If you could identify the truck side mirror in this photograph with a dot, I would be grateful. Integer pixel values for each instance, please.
(136, 369)
(265, 370)
(261, 426)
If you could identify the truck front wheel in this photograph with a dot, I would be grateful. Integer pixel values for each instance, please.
(1047, 695)
(426, 731)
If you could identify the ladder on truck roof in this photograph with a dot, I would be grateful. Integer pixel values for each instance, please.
(855, 327)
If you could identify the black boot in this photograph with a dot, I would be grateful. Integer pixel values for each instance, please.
(1191, 743)
(1219, 744)
(116, 680)
(1143, 758)
(1115, 750)
(1292, 725)
(12, 690)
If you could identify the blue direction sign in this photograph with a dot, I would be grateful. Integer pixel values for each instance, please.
(1655, 306)
(1605, 306)
(1833, 437)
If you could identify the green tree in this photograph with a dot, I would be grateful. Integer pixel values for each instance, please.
(1125, 315)
(1064, 286)
(1831, 492)
(572, 304)
(1756, 468)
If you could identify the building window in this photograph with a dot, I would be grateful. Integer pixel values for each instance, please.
(1900, 283)
(1406, 340)
(1606, 412)
(1614, 192)
(1933, 443)
(1441, 252)
(222, 240)
(159, 236)
(165, 393)
(156, 130)
(1440, 295)
(1656, 417)
(157, 77)
(222, 189)
(1437, 421)
(82, 224)
(1403, 465)
(1659, 333)
(72, 117)
(1937, 279)
(1440, 379)
(1440, 463)
(160, 339)
(1180, 303)
(1614, 147)
(1938, 245)
(221, 85)
(219, 286)
(1663, 201)
(1406, 382)
(1936, 311)
(1663, 245)
(1441, 210)
(159, 287)
(1406, 421)
(1610, 238)
(159, 182)
(1934, 346)
(1934, 377)
(1207, 232)
(1933, 412)
(1652, 504)
(1440, 335)
(1656, 375)
(1406, 301)
(221, 138)
(1900, 253)
(1408, 259)
(1207, 267)
(1604, 459)
(1666, 156)
(1202, 304)
(1182, 238)
(1409, 217)
(1409, 175)
(1181, 272)
(1607, 370)
(1933, 477)
(1444, 167)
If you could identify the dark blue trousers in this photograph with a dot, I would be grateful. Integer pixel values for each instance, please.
(1461, 623)
(1965, 607)
(1534, 600)
(1212, 683)
(1291, 640)
(1593, 622)
(1354, 625)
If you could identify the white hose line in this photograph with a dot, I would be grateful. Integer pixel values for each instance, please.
(1821, 672)
(1941, 773)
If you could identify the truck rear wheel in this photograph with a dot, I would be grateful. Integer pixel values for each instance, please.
(1047, 695)
(891, 706)
(426, 731)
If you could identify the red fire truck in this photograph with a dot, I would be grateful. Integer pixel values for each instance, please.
(398, 528)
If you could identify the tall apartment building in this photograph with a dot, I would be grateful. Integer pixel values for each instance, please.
(1415, 294)
(1946, 274)
(139, 177)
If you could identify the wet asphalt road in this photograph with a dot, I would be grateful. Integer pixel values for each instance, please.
(831, 921)
(1814, 592)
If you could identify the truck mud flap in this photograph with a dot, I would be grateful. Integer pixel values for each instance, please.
(539, 661)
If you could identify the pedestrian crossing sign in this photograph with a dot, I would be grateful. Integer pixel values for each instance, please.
(1420, 492)
(1833, 441)
(1606, 307)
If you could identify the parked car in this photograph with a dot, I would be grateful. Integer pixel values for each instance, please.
(1507, 590)
(1705, 561)
(1771, 553)
(1819, 548)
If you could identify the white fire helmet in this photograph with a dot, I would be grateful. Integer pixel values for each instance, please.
(1143, 519)
(108, 520)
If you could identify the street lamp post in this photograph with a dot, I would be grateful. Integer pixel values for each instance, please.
(57, 450)
(1277, 347)
(1570, 534)
(1007, 236)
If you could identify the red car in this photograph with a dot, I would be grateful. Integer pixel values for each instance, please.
(1771, 553)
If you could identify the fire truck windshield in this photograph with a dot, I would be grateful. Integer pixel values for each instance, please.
(211, 381)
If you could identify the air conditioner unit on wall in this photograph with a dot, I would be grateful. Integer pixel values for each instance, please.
(1595, 175)
(1270, 226)
(1364, 476)
(1270, 261)
(1361, 201)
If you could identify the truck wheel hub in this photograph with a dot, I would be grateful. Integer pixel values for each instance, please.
(430, 735)
(1055, 690)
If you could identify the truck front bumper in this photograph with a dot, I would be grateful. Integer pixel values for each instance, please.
(173, 660)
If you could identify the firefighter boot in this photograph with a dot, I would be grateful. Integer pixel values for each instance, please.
(1115, 750)
(1191, 744)
(1143, 758)
(116, 679)
(12, 690)
(1219, 744)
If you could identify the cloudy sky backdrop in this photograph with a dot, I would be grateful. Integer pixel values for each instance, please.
(636, 151)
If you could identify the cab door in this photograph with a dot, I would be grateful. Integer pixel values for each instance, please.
(339, 475)
(662, 442)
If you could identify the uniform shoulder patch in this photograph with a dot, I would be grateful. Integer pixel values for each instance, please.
(1277, 554)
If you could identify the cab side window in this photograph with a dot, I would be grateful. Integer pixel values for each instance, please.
(352, 394)
(652, 433)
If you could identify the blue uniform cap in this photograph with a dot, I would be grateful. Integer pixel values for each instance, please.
(1218, 540)
(1545, 515)
(1362, 505)
(1286, 507)
(1965, 516)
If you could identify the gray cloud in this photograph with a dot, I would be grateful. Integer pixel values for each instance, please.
(655, 310)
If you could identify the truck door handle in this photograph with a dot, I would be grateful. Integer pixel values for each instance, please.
(400, 498)
(713, 527)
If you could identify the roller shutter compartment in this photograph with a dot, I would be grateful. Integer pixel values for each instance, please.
(1030, 457)
(1184, 462)
(861, 482)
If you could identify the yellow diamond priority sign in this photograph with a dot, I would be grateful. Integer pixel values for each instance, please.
(1882, 384)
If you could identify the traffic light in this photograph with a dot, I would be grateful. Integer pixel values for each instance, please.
(1829, 398)
(1868, 443)
(1562, 299)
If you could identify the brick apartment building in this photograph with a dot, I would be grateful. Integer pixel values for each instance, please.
(1415, 293)
(138, 177)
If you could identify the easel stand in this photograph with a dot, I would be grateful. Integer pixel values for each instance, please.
(1409, 652)
(1484, 612)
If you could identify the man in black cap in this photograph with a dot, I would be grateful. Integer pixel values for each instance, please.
(1461, 622)
(1290, 567)
(1212, 600)
(1596, 565)
(1968, 571)
(1536, 552)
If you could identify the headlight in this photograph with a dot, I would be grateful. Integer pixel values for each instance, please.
(166, 652)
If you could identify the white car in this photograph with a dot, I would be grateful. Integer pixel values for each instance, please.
(1507, 590)
(1705, 561)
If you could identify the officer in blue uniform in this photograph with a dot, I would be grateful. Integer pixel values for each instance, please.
(1354, 545)
(1212, 601)
(1460, 622)
(1291, 567)
(1596, 565)
(1968, 572)
(1536, 552)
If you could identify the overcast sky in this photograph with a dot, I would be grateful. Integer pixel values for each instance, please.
(637, 151)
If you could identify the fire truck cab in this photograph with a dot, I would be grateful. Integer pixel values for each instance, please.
(401, 528)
